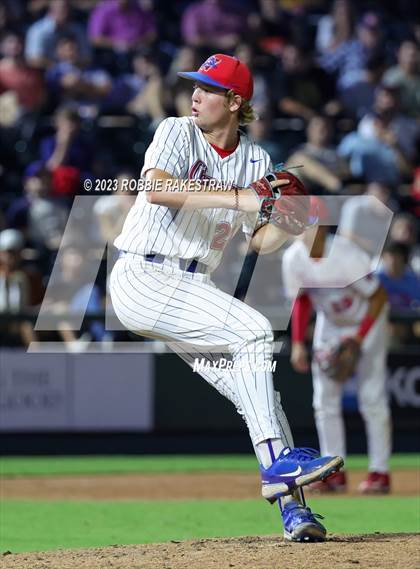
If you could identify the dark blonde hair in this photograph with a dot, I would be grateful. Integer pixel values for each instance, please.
(246, 113)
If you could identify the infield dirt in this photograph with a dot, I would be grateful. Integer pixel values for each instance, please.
(221, 485)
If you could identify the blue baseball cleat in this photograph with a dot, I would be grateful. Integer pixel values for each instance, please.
(295, 468)
(300, 524)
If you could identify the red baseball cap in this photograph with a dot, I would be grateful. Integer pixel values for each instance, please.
(226, 72)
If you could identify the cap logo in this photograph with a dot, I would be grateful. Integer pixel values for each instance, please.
(210, 63)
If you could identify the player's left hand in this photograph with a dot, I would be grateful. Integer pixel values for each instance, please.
(267, 190)
(299, 357)
(342, 362)
(292, 209)
(284, 201)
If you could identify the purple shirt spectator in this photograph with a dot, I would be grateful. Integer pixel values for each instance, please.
(120, 24)
(212, 23)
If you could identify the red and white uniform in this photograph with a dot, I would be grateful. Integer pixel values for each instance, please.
(339, 312)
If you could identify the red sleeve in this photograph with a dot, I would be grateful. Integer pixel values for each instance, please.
(302, 310)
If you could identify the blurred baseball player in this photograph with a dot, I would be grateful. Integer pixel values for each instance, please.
(349, 337)
(172, 240)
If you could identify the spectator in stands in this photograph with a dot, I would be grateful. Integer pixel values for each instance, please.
(178, 94)
(12, 15)
(261, 98)
(67, 147)
(43, 35)
(121, 27)
(72, 293)
(70, 81)
(398, 279)
(147, 91)
(110, 210)
(40, 217)
(406, 77)
(348, 59)
(217, 25)
(404, 229)
(336, 27)
(384, 145)
(358, 99)
(301, 89)
(384, 194)
(260, 131)
(323, 168)
(22, 88)
(400, 130)
(20, 288)
(270, 27)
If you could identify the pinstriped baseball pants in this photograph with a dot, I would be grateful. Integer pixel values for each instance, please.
(197, 320)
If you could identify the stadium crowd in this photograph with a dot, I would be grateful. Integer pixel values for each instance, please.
(84, 83)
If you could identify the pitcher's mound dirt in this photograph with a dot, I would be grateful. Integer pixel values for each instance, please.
(382, 551)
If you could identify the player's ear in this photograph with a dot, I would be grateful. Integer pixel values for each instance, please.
(235, 103)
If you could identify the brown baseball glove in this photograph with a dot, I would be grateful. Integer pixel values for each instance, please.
(341, 362)
(287, 207)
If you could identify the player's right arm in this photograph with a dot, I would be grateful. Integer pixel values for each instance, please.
(192, 195)
(268, 239)
(173, 192)
(176, 193)
(301, 309)
(301, 314)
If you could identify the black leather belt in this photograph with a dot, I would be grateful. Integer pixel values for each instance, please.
(189, 265)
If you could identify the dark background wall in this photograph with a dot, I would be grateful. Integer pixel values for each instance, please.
(192, 417)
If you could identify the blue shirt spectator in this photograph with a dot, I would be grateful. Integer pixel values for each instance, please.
(70, 81)
(67, 147)
(348, 60)
(398, 279)
(43, 35)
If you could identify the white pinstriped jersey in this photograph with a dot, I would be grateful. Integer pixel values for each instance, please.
(340, 306)
(180, 149)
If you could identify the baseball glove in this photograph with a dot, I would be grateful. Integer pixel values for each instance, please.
(341, 362)
(287, 207)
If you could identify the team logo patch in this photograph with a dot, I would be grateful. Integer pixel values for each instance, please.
(198, 171)
(210, 63)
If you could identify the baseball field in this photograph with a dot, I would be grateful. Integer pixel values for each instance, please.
(202, 511)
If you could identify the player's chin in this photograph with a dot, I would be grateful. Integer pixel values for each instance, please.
(200, 122)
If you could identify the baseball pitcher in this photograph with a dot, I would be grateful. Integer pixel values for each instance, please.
(207, 180)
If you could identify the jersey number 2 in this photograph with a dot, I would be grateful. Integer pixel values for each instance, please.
(342, 304)
(221, 235)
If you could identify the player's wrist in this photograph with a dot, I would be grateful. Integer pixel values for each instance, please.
(236, 198)
(298, 346)
(248, 201)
